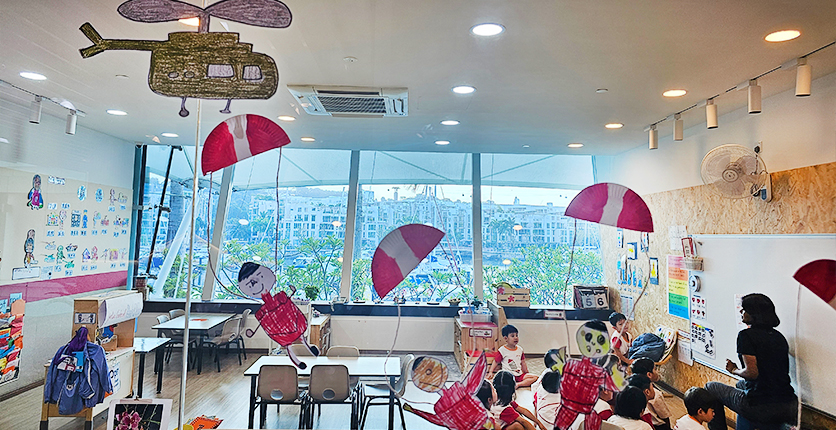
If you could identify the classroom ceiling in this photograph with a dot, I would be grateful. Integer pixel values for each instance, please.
(536, 82)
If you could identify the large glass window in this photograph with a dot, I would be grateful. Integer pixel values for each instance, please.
(527, 240)
(309, 206)
(399, 188)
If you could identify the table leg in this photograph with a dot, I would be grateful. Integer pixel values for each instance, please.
(391, 404)
(199, 353)
(141, 374)
(253, 380)
(160, 354)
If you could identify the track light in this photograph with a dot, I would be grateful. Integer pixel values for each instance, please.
(803, 78)
(35, 111)
(677, 127)
(754, 97)
(710, 114)
(653, 137)
(71, 121)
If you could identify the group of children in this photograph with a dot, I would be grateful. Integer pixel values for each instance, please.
(637, 407)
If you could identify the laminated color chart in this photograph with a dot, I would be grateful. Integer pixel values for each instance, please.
(677, 287)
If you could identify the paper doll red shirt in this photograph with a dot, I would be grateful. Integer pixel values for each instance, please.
(281, 319)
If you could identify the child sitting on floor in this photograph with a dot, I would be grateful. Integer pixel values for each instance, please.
(629, 406)
(505, 410)
(547, 388)
(698, 403)
(656, 406)
(620, 343)
(643, 383)
(512, 358)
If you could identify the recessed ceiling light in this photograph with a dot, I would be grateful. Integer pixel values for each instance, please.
(337, 223)
(442, 142)
(169, 135)
(463, 89)
(526, 146)
(601, 90)
(256, 258)
(614, 125)
(782, 36)
(517, 227)
(575, 145)
(117, 112)
(449, 122)
(287, 118)
(122, 76)
(4, 140)
(674, 93)
(307, 139)
(506, 261)
(487, 29)
(243, 221)
(33, 76)
(191, 22)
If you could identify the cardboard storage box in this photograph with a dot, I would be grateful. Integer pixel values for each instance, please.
(509, 296)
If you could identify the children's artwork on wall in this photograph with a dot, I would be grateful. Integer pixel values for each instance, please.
(36, 199)
(99, 195)
(645, 241)
(611, 204)
(202, 64)
(82, 193)
(654, 271)
(399, 253)
(631, 251)
(282, 320)
(145, 414)
(29, 249)
(619, 234)
(458, 408)
(239, 138)
(819, 277)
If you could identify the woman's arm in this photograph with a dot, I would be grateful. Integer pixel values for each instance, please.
(526, 413)
(749, 370)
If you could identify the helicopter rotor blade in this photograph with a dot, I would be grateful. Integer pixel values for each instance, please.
(159, 10)
(260, 13)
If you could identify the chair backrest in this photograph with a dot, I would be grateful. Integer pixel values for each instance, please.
(343, 351)
(329, 383)
(244, 316)
(278, 383)
(162, 318)
(300, 350)
(406, 364)
(174, 313)
(230, 330)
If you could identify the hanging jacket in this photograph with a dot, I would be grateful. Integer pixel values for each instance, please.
(647, 345)
(74, 391)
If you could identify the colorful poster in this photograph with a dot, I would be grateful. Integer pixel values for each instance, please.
(677, 287)
(697, 307)
(702, 339)
(654, 271)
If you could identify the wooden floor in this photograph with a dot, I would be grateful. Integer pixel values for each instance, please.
(226, 395)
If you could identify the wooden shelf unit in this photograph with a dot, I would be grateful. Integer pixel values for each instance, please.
(471, 339)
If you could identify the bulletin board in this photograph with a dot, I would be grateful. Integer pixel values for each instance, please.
(736, 265)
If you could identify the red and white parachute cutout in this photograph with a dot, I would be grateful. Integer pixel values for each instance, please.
(819, 277)
(239, 138)
(611, 204)
(400, 252)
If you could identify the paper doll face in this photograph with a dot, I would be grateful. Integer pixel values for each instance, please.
(36, 182)
(593, 343)
(258, 283)
(429, 374)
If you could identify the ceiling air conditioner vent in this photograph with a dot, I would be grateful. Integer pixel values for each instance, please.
(351, 101)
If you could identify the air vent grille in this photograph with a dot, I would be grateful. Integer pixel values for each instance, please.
(370, 105)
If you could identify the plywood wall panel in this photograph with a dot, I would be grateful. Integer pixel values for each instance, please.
(804, 202)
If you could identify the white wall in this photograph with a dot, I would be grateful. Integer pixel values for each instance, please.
(796, 132)
(87, 156)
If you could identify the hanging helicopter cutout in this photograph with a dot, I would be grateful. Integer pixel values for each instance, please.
(201, 64)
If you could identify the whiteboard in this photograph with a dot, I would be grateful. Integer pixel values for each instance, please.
(742, 264)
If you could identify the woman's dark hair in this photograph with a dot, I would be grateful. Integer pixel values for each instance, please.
(505, 386)
(630, 403)
(485, 394)
(551, 382)
(615, 317)
(761, 309)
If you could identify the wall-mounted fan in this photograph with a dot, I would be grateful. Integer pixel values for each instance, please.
(735, 171)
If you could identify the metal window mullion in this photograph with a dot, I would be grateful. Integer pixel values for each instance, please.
(476, 229)
(350, 222)
(214, 264)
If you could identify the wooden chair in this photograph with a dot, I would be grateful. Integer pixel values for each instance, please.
(278, 385)
(381, 392)
(330, 385)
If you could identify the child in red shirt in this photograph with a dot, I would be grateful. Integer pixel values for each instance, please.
(507, 413)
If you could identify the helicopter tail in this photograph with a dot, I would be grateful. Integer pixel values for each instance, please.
(100, 45)
(94, 36)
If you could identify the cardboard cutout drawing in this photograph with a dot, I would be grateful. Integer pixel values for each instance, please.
(29, 249)
(399, 253)
(611, 204)
(202, 64)
(238, 138)
(36, 199)
(582, 378)
(819, 277)
(458, 408)
(281, 319)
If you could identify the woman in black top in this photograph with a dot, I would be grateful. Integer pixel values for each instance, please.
(765, 394)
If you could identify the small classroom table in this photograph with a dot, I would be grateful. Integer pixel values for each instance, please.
(199, 323)
(361, 367)
(144, 345)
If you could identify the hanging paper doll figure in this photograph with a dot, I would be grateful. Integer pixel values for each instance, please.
(36, 199)
(582, 379)
(29, 249)
(458, 408)
(281, 319)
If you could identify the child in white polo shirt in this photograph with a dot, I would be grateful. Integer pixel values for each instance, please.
(512, 358)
